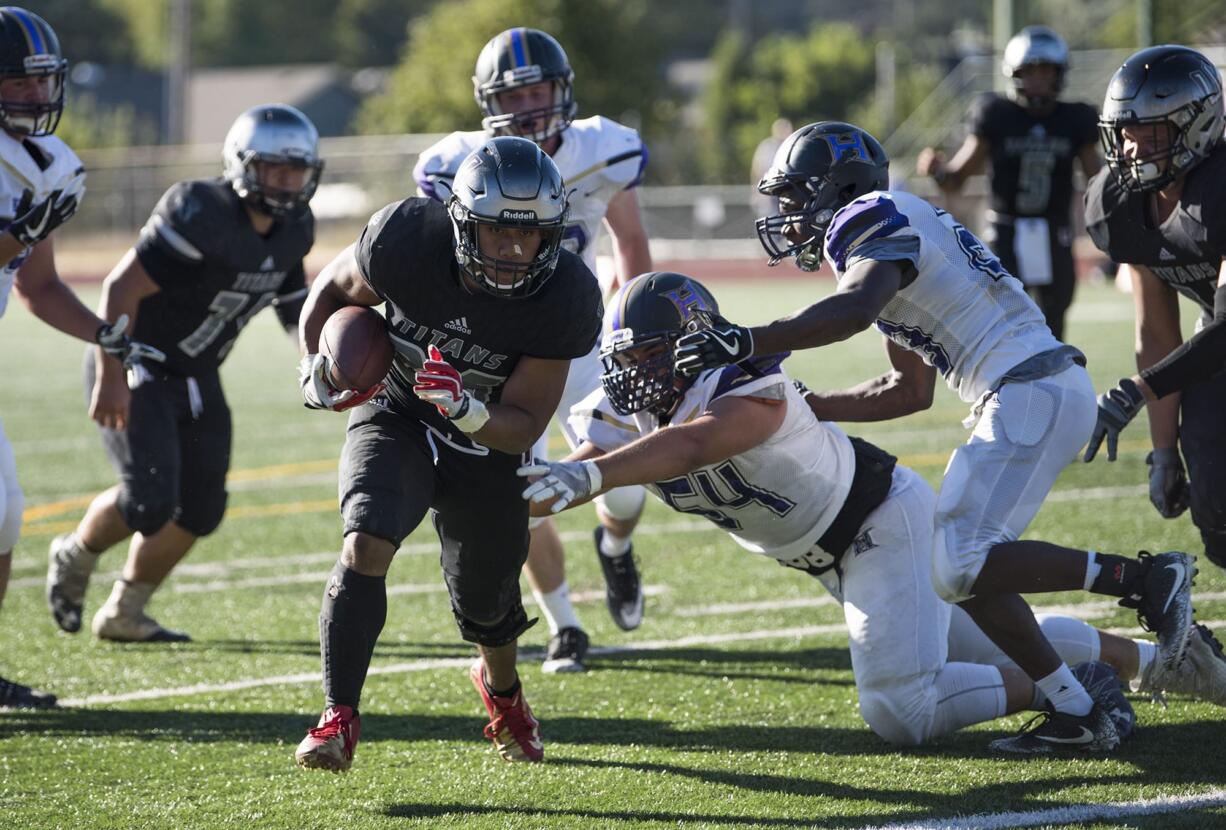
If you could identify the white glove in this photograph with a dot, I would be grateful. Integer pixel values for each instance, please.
(319, 393)
(567, 481)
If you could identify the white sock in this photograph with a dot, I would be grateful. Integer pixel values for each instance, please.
(556, 607)
(1146, 653)
(613, 546)
(1093, 569)
(1064, 693)
(967, 693)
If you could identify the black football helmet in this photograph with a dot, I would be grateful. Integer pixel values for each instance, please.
(30, 49)
(1157, 87)
(508, 182)
(1034, 45)
(519, 57)
(653, 309)
(817, 170)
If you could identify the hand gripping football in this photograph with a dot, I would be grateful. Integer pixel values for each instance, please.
(358, 348)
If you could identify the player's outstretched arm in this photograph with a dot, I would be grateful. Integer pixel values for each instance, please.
(950, 175)
(631, 251)
(731, 426)
(50, 299)
(908, 387)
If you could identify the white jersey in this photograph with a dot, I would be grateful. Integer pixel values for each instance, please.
(963, 312)
(598, 159)
(776, 499)
(20, 171)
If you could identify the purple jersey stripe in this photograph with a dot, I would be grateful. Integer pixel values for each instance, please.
(861, 222)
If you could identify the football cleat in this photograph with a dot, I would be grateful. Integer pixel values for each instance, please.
(566, 651)
(1166, 603)
(1202, 674)
(122, 618)
(16, 696)
(68, 570)
(623, 590)
(1109, 722)
(513, 729)
(330, 745)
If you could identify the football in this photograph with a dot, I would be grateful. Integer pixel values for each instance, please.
(358, 348)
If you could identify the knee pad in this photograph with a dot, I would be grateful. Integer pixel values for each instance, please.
(1074, 640)
(202, 516)
(145, 506)
(622, 503)
(1215, 546)
(12, 504)
(887, 713)
(497, 633)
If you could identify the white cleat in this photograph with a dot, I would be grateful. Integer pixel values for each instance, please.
(122, 618)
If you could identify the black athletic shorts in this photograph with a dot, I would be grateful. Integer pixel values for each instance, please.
(174, 455)
(395, 467)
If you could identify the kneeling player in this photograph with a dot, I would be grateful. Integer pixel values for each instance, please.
(743, 449)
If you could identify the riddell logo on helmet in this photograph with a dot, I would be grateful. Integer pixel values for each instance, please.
(518, 215)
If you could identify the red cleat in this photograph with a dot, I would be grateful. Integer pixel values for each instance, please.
(330, 745)
(512, 728)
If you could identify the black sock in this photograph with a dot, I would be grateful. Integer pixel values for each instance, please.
(354, 610)
(508, 693)
(1118, 576)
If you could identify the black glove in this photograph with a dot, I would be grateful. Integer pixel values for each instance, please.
(1168, 485)
(720, 344)
(1116, 407)
(800, 387)
(35, 222)
(113, 339)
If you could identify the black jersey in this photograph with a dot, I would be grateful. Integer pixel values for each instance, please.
(215, 272)
(407, 254)
(1032, 157)
(1186, 250)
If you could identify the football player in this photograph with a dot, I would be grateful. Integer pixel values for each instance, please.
(740, 447)
(523, 85)
(41, 184)
(1160, 209)
(946, 304)
(484, 334)
(1029, 139)
(212, 255)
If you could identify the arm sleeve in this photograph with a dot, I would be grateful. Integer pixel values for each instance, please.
(1087, 125)
(868, 220)
(1199, 358)
(373, 248)
(291, 296)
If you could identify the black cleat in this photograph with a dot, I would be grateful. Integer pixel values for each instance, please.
(1166, 603)
(1108, 723)
(623, 591)
(566, 652)
(15, 696)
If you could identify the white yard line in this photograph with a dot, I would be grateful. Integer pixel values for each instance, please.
(1072, 814)
(441, 663)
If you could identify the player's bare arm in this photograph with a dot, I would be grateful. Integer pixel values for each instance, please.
(339, 284)
(528, 401)
(1158, 334)
(951, 174)
(49, 299)
(631, 252)
(907, 388)
(122, 292)
(862, 294)
(731, 426)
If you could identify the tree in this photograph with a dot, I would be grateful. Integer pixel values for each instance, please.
(87, 31)
(827, 74)
(610, 44)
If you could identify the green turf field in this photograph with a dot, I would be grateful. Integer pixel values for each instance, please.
(733, 705)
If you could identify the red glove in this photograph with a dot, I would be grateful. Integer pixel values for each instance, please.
(439, 383)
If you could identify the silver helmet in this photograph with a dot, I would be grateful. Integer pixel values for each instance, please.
(274, 134)
(1032, 46)
(508, 182)
(1170, 88)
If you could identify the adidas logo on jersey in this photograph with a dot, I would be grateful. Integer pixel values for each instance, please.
(267, 264)
(459, 324)
(1164, 254)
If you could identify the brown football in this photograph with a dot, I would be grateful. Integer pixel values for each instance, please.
(357, 345)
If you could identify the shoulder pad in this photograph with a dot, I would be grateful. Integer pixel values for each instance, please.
(872, 216)
(742, 374)
(192, 217)
(437, 166)
(617, 148)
